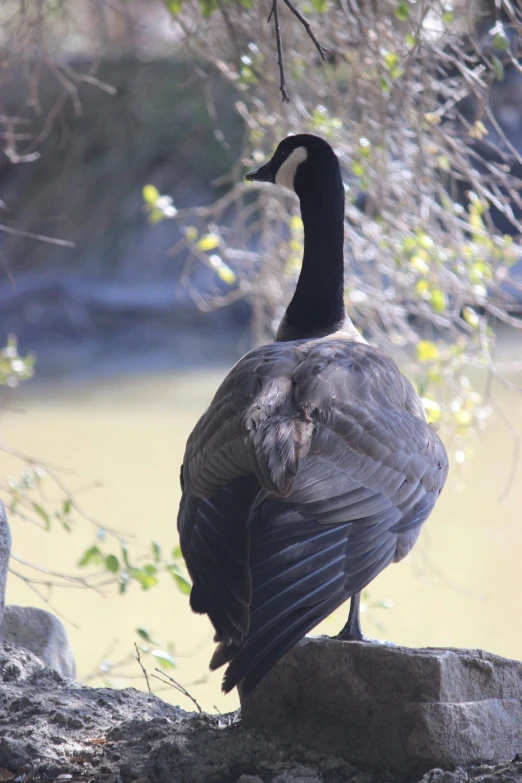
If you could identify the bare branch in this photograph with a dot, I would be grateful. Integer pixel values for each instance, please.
(138, 658)
(177, 687)
(307, 26)
(41, 237)
(280, 60)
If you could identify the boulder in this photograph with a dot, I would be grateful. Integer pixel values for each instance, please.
(41, 633)
(17, 664)
(383, 707)
(5, 553)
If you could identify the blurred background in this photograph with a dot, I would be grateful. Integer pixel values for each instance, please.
(136, 266)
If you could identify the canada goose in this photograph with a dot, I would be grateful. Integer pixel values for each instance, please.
(314, 467)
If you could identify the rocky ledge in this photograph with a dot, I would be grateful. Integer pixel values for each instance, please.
(387, 707)
(54, 729)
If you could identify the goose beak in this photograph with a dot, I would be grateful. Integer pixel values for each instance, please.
(262, 174)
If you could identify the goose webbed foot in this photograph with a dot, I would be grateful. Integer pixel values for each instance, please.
(352, 631)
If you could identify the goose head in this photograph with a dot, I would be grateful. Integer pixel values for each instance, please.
(298, 162)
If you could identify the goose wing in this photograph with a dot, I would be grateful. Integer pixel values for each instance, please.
(248, 439)
(371, 477)
(344, 471)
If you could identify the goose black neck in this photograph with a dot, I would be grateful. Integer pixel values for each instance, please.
(317, 307)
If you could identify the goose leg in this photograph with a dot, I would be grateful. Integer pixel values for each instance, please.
(352, 630)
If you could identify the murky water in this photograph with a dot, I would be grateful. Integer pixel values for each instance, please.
(460, 587)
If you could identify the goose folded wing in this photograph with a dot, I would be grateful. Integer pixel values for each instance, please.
(371, 477)
(245, 440)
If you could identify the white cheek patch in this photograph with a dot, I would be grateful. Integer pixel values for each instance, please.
(286, 172)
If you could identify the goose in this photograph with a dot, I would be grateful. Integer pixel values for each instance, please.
(314, 467)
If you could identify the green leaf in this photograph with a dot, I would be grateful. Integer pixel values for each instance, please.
(402, 12)
(498, 68)
(391, 60)
(91, 556)
(156, 549)
(174, 6)
(144, 634)
(150, 569)
(207, 7)
(176, 553)
(165, 659)
(67, 505)
(500, 42)
(143, 578)
(42, 513)
(319, 5)
(112, 564)
(125, 554)
(410, 39)
(182, 584)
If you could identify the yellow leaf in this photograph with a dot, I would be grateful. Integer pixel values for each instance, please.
(226, 274)
(191, 233)
(470, 317)
(155, 216)
(427, 351)
(424, 240)
(419, 263)
(150, 194)
(463, 418)
(222, 270)
(208, 242)
(438, 300)
(432, 409)
(478, 130)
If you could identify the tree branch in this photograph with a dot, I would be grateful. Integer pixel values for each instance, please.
(307, 27)
(280, 61)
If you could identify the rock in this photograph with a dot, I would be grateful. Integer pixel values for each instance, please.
(298, 774)
(17, 664)
(5, 553)
(126, 736)
(381, 707)
(41, 633)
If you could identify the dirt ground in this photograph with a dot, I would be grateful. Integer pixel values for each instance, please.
(52, 729)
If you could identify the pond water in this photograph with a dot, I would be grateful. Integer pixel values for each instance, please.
(124, 438)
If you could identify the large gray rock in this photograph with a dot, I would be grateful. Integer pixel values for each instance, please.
(41, 633)
(5, 553)
(390, 707)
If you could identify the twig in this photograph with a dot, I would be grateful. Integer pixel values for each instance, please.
(31, 584)
(307, 27)
(280, 61)
(177, 686)
(138, 658)
(41, 237)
